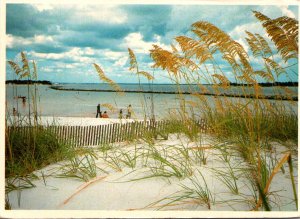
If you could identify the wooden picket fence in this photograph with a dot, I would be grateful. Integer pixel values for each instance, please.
(102, 134)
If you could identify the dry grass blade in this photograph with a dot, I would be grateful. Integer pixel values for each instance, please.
(225, 83)
(254, 44)
(264, 45)
(247, 78)
(15, 67)
(265, 75)
(258, 45)
(193, 47)
(26, 74)
(191, 103)
(275, 66)
(85, 185)
(109, 106)
(134, 66)
(34, 70)
(133, 62)
(174, 49)
(103, 77)
(25, 61)
(216, 39)
(213, 36)
(147, 75)
(165, 60)
(201, 147)
(275, 170)
(283, 32)
(231, 60)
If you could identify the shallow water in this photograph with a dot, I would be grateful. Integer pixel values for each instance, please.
(83, 103)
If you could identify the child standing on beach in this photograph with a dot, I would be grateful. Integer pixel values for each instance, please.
(121, 114)
(129, 111)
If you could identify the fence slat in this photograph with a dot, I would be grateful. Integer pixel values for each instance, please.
(93, 135)
(90, 135)
(110, 133)
(77, 135)
(118, 132)
(98, 135)
(104, 134)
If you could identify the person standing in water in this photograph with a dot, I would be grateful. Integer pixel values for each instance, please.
(129, 112)
(14, 111)
(121, 114)
(98, 111)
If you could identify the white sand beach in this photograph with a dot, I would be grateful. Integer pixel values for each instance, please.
(69, 121)
(117, 186)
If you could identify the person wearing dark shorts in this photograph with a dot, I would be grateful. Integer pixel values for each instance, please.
(98, 111)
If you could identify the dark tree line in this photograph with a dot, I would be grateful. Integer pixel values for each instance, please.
(27, 82)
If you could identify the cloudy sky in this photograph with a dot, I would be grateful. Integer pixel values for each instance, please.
(65, 40)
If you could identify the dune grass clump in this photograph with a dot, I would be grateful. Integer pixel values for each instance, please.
(28, 145)
(250, 126)
(36, 149)
(80, 167)
(198, 193)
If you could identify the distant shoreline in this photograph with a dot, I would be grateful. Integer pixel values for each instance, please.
(28, 82)
(288, 84)
(269, 97)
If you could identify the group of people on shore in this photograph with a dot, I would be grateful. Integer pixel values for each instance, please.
(105, 115)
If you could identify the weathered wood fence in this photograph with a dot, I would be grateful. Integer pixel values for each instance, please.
(102, 134)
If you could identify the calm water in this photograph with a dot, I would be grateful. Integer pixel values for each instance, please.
(83, 103)
(173, 88)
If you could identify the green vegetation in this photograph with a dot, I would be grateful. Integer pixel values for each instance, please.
(250, 125)
(28, 145)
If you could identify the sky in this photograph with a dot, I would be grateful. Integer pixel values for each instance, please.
(65, 40)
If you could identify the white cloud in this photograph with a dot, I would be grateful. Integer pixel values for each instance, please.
(243, 44)
(276, 11)
(97, 12)
(121, 62)
(71, 66)
(42, 39)
(53, 56)
(46, 69)
(112, 55)
(44, 7)
(136, 42)
(286, 11)
(14, 41)
(89, 51)
(239, 32)
(100, 13)
(75, 54)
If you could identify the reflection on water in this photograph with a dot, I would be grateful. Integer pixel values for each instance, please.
(84, 103)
